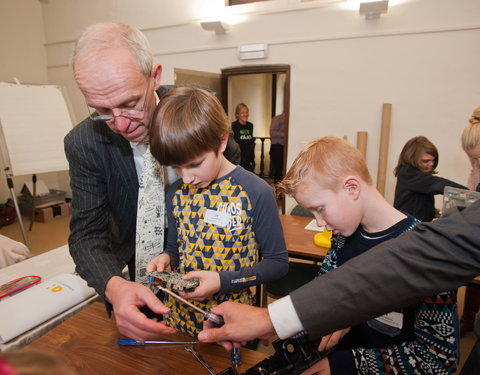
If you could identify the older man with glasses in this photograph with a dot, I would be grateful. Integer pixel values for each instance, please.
(114, 69)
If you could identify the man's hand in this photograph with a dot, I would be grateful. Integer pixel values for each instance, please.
(242, 323)
(209, 285)
(127, 297)
(329, 341)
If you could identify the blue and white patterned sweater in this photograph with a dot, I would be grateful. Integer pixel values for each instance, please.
(420, 339)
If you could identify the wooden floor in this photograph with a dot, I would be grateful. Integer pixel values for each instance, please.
(43, 236)
(47, 236)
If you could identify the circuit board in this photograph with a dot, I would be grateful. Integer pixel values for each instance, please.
(172, 280)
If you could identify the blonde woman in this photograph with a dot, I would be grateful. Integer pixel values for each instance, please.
(243, 135)
(471, 146)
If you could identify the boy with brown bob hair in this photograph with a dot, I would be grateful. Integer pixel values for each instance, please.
(330, 178)
(222, 219)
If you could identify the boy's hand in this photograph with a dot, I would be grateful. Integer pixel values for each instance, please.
(209, 285)
(159, 263)
(329, 341)
(322, 367)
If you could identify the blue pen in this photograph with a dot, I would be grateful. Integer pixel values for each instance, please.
(236, 357)
(131, 342)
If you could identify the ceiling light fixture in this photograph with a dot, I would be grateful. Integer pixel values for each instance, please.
(218, 27)
(373, 10)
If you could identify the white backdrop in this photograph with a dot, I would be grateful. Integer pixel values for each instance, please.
(32, 139)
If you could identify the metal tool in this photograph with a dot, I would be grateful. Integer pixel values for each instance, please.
(217, 320)
(200, 359)
(32, 212)
(131, 342)
(236, 358)
(15, 203)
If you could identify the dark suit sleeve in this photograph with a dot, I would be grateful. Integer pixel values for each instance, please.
(431, 258)
(172, 234)
(232, 151)
(98, 242)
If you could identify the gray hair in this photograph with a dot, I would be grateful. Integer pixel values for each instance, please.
(105, 35)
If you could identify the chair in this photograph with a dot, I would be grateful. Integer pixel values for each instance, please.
(300, 211)
(299, 273)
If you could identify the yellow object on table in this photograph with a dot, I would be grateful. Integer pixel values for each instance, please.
(323, 239)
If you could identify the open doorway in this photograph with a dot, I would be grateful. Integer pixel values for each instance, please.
(265, 89)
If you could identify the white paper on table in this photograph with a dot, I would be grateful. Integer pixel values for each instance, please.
(313, 226)
(31, 307)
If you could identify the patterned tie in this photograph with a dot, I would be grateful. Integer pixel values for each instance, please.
(150, 216)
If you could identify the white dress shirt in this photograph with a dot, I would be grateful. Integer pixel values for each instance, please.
(284, 317)
(139, 149)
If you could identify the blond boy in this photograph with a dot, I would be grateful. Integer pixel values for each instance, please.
(330, 178)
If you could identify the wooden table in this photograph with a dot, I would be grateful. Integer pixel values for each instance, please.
(300, 240)
(88, 342)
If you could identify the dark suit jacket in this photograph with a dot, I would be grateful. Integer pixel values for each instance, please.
(430, 258)
(104, 186)
(104, 202)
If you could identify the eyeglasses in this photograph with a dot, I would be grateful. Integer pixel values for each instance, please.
(133, 114)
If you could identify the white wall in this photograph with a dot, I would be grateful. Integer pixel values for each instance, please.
(21, 42)
(24, 57)
(422, 56)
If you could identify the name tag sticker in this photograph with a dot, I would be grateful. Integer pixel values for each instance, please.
(218, 218)
(393, 319)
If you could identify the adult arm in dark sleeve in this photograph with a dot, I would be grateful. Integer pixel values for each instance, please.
(431, 258)
(89, 241)
(102, 239)
(232, 151)
(172, 235)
